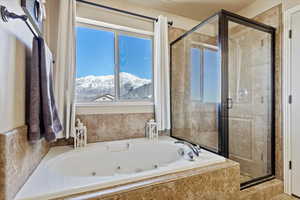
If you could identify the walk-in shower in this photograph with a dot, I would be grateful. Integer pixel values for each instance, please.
(222, 91)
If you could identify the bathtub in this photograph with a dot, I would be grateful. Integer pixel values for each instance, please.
(66, 171)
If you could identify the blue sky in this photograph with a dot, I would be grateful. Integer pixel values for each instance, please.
(195, 73)
(95, 54)
(212, 76)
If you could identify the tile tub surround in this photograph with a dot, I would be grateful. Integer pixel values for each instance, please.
(108, 164)
(18, 159)
(218, 182)
(284, 197)
(109, 127)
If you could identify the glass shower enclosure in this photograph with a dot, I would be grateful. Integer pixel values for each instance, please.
(222, 92)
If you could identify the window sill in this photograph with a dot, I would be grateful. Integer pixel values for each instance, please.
(114, 107)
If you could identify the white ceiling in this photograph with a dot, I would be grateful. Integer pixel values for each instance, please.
(194, 9)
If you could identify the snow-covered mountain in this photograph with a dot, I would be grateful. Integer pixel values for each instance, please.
(90, 88)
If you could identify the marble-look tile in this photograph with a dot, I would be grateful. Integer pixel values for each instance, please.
(284, 197)
(218, 182)
(250, 145)
(108, 127)
(18, 159)
(263, 191)
(174, 33)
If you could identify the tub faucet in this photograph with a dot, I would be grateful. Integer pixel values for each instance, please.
(196, 149)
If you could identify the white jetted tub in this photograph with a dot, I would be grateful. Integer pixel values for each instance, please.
(66, 171)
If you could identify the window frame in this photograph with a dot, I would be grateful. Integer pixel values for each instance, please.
(119, 30)
(130, 34)
(201, 66)
(202, 47)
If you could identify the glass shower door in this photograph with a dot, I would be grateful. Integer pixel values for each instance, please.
(249, 100)
(196, 86)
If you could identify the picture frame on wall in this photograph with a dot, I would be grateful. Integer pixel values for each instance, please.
(35, 11)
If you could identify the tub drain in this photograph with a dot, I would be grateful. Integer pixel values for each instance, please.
(94, 173)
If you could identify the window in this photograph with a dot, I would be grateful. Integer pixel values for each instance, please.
(135, 61)
(205, 73)
(113, 65)
(196, 73)
(211, 84)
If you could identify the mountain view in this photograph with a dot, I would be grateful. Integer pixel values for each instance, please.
(101, 88)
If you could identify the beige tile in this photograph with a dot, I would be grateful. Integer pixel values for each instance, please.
(263, 191)
(284, 197)
(108, 127)
(18, 159)
(215, 182)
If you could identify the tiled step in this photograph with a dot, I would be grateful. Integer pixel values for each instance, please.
(263, 191)
(284, 197)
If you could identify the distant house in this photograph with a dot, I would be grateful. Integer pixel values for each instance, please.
(105, 97)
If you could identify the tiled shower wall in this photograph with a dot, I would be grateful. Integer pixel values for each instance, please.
(250, 89)
(273, 17)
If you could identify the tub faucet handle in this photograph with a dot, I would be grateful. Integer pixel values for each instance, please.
(198, 148)
(195, 149)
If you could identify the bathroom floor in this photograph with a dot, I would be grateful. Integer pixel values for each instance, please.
(284, 197)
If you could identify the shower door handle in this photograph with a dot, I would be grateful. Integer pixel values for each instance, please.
(229, 103)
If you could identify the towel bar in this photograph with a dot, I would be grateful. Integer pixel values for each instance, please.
(6, 15)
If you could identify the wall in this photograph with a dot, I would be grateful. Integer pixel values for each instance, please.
(179, 21)
(259, 7)
(15, 38)
(108, 127)
(51, 28)
(102, 126)
(290, 3)
(18, 158)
